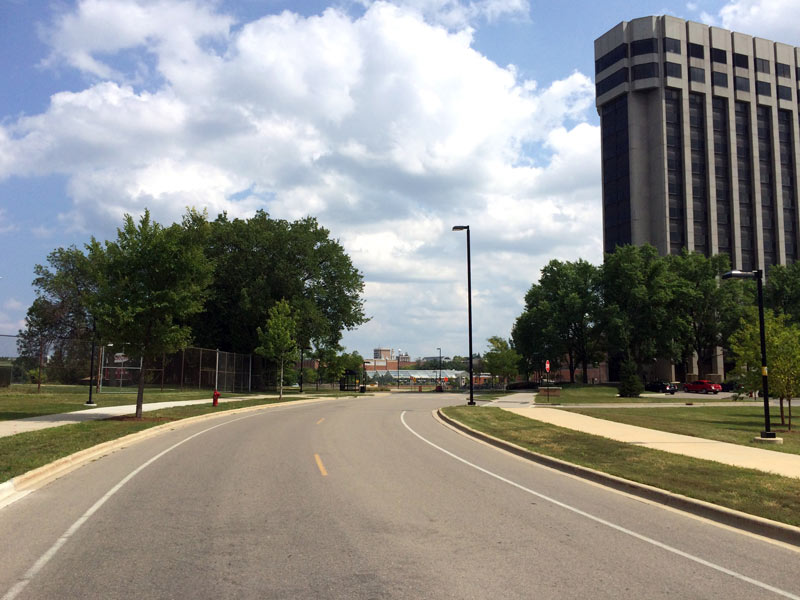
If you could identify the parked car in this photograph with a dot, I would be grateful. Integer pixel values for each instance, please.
(702, 386)
(662, 387)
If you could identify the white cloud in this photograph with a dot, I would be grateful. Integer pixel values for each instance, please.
(771, 19)
(458, 14)
(388, 142)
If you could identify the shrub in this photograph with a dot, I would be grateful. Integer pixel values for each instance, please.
(630, 384)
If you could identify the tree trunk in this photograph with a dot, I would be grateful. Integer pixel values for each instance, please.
(783, 420)
(280, 384)
(585, 376)
(790, 414)
(140, 393)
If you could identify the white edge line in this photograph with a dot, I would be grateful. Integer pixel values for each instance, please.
(638, 536)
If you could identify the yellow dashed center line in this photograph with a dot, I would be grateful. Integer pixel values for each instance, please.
(321, 420)
(320, 465)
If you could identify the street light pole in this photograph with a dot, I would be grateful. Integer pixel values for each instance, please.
(398, 368)
(759, 276)
(469, 309)
(439, 381)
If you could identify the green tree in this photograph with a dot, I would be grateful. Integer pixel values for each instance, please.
(782, 290)
(783, 356)
(637, 297)
(277, 340)
(501, 360)
(705, 311)
(534, 336)
(260, 261)
(149, 282)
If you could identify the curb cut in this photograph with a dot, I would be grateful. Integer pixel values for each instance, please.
(788, 534)
(21, 485)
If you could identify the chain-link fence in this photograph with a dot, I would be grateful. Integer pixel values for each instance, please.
(69, 362)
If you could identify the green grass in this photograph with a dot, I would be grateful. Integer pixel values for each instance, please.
(22, 401)
(604, 394)
(747, 490)
(737, 425)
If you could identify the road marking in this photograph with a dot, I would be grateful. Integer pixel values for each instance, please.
(320, 465)
(638, 536)
(321, 420)
(47, 556)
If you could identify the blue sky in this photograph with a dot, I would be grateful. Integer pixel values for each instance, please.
(389, 121)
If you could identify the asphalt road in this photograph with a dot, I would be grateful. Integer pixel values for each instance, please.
(360, 498)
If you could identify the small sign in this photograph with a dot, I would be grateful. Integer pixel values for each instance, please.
(120, 357)
(547, 366)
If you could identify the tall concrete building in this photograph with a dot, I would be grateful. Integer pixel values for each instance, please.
(699, 140)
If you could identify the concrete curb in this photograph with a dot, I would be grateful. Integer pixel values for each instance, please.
(21, 485)
(733, 518)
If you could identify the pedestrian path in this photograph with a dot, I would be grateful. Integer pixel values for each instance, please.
(94, 414)
(780, 463)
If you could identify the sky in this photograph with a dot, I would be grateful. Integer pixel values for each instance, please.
(389, 121)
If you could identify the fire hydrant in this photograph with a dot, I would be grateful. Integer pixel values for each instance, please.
(216, 398)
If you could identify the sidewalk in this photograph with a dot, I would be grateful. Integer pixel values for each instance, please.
(770, 461)
(93, 414)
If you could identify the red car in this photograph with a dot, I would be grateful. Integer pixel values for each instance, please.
(702, 386)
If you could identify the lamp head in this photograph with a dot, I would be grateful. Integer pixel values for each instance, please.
(460, 227)
(739, 275)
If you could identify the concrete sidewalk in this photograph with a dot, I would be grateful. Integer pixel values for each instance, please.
(94, 414)
(770, 461)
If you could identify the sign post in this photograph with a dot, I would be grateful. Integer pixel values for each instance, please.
(547, 369)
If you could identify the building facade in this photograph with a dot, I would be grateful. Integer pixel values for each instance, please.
(699, 141)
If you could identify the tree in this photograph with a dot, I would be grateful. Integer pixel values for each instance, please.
(705, 311)
(260, 261)
(501, 360)
(278, 341)
(149, 283)
(782, 290)
(783, 356)
(534, 336)
(637, 297)
(564, 303)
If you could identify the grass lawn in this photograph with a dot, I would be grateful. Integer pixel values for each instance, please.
(734, 424)
(21, 401)
(603, 394)
(748, 490)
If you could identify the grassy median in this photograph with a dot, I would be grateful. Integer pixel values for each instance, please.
(754, 492)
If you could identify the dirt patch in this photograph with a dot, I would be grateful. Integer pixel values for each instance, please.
(144, 419)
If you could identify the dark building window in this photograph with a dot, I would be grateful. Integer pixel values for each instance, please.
(697, 74)
(783, 70)
(797, 72)
(763, 88)
(722, 177)
(612, 81)
(648, 46)
(616, 55)
(765, 168)
(741, 83)
(762, 65)
(697, 150)
(696, 51)
(719, 56)
(743, 157)
(719, 79)
(645, 71)
(740, 60)
(616, 174)
(784, 92)
(672, 69)
(675, 183)
(672, 45)
(786, 148)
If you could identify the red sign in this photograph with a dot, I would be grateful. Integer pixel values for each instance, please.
(547, 366)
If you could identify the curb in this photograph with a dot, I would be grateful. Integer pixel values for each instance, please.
(733, 518)
(21, 485)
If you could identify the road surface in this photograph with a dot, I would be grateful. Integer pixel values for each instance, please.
(360, 498)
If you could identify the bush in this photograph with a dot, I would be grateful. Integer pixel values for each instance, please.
(630, 384)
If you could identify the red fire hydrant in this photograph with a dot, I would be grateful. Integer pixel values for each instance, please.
(216, 398)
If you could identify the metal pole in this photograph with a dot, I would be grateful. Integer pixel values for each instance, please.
(767, 433)
(301, 369)
(183, 360)
(250, 375)
(216, 373)
(469, 304)
(90, 402)
(439, 382)
(398, 368)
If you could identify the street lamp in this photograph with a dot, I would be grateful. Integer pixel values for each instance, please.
(302, 365)
(398, 368)
(759, 276)
(469, 305)
(439, 381)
